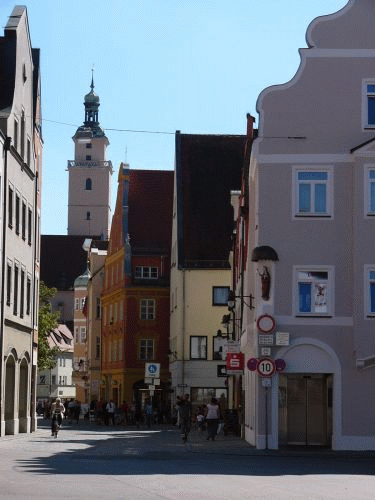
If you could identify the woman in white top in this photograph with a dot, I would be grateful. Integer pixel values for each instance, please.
(212, 418)
(57, 412)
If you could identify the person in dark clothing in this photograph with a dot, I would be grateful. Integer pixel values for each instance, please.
(185, 410)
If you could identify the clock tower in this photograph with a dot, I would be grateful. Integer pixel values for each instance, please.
(90, 176)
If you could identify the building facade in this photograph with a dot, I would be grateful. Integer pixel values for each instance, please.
(310, 256)
(135, 298)
(20, 193)
(207, 168)
(58, 381)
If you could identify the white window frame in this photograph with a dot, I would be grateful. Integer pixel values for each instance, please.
(367, 295)
(147, 272)
(147, 309)
(365, 95)
(330, 291)
(367, 190)
(297, 215)
(82, 334)
(199, 348)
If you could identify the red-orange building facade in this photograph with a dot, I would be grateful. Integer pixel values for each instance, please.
(135, 298)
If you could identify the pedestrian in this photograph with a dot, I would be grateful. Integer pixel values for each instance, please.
(111, 409)
(185, 410)
(200, 421)
(212, 416)
(125, 410)
(149, 412)
(76, 411)
(57, 412)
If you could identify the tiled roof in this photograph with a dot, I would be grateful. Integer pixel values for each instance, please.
(62, 260)
(150, 204)
(62, 338)
(208, 167)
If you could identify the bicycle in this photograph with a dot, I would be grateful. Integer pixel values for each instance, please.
(55, 427)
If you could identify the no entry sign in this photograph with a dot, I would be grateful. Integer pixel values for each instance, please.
(266, 367)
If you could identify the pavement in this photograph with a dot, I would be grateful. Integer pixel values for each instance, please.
(170, 440)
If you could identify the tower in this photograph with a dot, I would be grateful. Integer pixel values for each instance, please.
(90, 176)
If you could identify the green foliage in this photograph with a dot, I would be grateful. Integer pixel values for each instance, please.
(48, 320)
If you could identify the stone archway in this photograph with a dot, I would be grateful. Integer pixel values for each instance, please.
(10, 381)
(23, 400)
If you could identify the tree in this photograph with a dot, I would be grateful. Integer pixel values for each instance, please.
(48, 320)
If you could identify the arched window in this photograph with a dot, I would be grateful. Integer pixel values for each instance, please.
(88, 184)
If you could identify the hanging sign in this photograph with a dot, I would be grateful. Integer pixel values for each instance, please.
(266, 323)
(235, 363)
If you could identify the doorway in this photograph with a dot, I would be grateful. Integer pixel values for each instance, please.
(305, 409)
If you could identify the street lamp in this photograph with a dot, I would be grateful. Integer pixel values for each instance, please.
(232, 300)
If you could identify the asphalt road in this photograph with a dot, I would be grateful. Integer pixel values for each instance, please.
(94, 462)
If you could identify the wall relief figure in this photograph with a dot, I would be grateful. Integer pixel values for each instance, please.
(265, 279)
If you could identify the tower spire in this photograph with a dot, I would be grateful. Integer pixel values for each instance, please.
(92, 78)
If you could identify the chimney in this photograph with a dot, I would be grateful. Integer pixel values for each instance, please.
(250, 126)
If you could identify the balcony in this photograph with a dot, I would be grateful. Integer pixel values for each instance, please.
(90, 164)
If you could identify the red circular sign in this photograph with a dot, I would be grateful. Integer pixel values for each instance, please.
(266, 323)
(266, 367)
(252, 364)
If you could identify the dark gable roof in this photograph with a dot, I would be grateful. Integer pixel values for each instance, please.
(208, 167)
(150, 210)
(62, 260)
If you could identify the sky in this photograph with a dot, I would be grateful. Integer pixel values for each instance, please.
(196, 66)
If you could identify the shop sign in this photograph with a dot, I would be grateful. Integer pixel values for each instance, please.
(221, 370)
(235, 363)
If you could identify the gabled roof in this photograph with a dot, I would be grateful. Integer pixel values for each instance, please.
(62, 338)
(363, 145)
(208, 167)
(146, 211)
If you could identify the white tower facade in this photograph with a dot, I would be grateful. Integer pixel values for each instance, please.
(90, 173)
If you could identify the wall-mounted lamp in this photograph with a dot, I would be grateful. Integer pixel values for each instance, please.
(172, 353)
(232, 300)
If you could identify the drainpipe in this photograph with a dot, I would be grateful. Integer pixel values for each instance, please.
(6, 148)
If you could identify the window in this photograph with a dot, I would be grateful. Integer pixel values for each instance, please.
(22, 293)
(23, 220)
(17, 209)
(198, 347)
(15, 135)
(9, 283)
(220, 295)
(28, 295)
(29, 225)
(53, 379)
(82, 301)
(76, 304)
(88, 145)
(370, 290)
(314, 291)
(88, 215)
(76, 334)
(88, 184)
(146, 272)
(147, 309)
(368, 104)
(82, 332)
(97, 307)
(313, 191)
(10, 207)
(15, 290)
(218, 347)
(28, 152)
(146, 349)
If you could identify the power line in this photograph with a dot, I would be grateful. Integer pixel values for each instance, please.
(113, 129)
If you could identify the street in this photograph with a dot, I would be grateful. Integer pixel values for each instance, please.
(89, 461)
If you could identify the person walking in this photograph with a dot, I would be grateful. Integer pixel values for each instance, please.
(111, 408)
(185, 411)
(212, 418)
(57, 412)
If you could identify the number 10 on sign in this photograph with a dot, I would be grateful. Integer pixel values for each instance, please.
(266, 367)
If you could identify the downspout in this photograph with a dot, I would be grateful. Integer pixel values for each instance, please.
(183, 330)
(6, 148)
(34, 319)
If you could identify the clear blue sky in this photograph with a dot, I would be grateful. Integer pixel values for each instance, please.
(160, 65)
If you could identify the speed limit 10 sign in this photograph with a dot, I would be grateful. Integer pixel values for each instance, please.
(266, 367)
